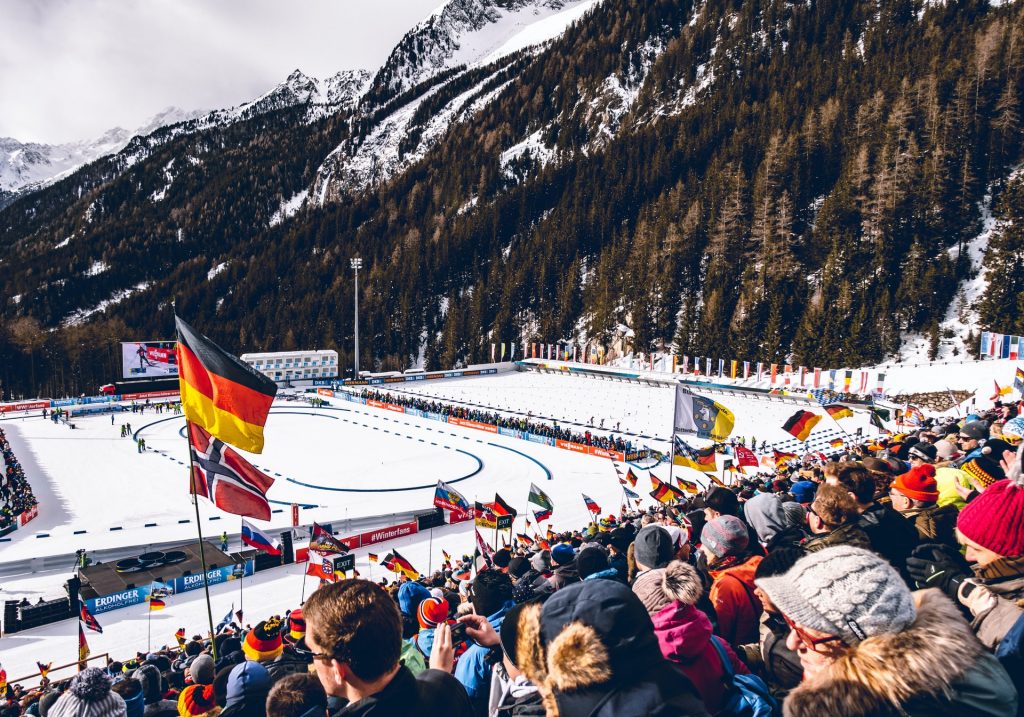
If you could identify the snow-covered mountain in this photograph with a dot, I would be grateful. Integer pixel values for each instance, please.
(457, 60)
(28, 166)
(33, 163)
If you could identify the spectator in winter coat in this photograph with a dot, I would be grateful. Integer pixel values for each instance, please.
(731, 567)
(991, 587)
(592, 652)
(915, 495)
(152, 693)
(248, 686)
(492, 597)
(88, 694)
(564, 558)
(891, 535)
(833, 518)
(685, 636)
(354, 633)
(773, 526)
(869, 646)
(771, 656)
(722, 501)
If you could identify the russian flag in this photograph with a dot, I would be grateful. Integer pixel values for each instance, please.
(254, 538)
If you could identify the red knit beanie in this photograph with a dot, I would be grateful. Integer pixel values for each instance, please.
(197, 700)
(995, 519)
(918, 483)
(432, 611)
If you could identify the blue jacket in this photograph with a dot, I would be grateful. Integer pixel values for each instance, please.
(473, 670)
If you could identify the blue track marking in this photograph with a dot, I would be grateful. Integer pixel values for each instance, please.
(543, 467)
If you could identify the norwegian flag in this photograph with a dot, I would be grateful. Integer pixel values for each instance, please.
(224, 477)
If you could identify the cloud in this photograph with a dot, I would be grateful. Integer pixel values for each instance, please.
(71, 69)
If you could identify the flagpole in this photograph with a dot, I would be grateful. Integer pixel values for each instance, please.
(199, 530)
(241, 578)
(430, 553)
(149, 624)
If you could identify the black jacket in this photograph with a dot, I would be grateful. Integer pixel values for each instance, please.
(432, 693)
(892, 536)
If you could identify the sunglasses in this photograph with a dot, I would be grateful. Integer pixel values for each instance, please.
(302, 648)
(809, 642)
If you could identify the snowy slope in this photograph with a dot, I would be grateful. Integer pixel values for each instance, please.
(469, 33)
(29, 163)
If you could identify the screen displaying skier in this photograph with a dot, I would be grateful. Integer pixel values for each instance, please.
(140, 359)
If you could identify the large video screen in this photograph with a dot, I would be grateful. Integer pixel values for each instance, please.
(144, 359)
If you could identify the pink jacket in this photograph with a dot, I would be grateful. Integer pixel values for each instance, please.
(684, 635)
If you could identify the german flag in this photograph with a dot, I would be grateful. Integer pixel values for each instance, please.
(688, 486)
(837, 411)
(373, 557)
(156, 604)
(800, 424)
(706, 459)
(665, 493)
(631, 477)
(219, 392)
(837, 442)
(500, 507)
(524, 539)
(782, 458)
(401, 565)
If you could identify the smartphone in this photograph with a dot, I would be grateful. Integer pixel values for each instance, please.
(458, 633)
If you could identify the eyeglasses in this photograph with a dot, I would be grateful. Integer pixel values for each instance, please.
(809, 642)
(302, 648)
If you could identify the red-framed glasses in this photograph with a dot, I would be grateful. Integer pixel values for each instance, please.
(810, 642)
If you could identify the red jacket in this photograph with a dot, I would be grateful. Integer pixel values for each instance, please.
(739, 610)
(684, 635)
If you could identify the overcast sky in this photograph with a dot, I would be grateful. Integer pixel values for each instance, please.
(71, 69)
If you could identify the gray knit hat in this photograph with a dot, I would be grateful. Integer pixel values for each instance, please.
(725, 535)
(541, 561)
(202, 670)
(844, 591)
(89, 696)
(653, 547)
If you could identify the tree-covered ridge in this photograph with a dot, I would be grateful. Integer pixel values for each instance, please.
(783, 180)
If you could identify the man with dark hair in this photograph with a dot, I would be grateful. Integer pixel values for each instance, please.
(492, 598)
(892, 536)
(296, 695)
(354, 635)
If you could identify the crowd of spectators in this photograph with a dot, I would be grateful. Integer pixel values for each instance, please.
(886, 580)
(526, 425)
(16, 495)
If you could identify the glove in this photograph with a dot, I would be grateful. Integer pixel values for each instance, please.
(938, 566)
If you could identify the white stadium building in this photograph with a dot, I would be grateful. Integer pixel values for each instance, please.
(294, 365)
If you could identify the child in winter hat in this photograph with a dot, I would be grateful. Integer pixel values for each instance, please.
(89, 695)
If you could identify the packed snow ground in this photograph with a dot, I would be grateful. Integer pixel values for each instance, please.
(89, 478)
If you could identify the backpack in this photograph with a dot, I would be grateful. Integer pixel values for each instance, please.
(748, 695)
(1010, 653)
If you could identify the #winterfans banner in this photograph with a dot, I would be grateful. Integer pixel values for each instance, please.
(148, 359)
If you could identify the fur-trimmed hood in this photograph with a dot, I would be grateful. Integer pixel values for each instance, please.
(919, 665)
(591, 650)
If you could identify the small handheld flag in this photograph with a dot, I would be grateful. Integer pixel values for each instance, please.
(539, 497)
(500, 507)
(256, 538)
(450, 499)
(87, 617)
(322, 542)
(592, 506)
(542, 515)
(800, 424)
